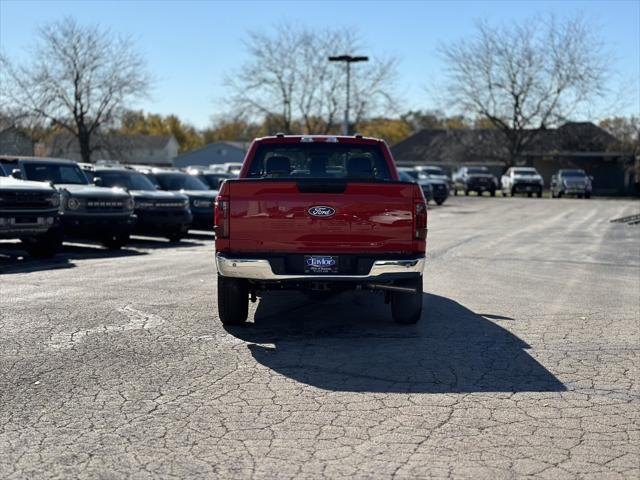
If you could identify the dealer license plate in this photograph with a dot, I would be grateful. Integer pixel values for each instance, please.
(320, 264)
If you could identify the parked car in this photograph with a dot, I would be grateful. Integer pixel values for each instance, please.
(320, 214)
(412, 172)
(427, 188)
(158, 212)
(201, 199)
(439, 188)
(217, 168)
(211, 178)
(474, 179)
(86, 211)
(522, 180)
(233, 167)
(29, 211)
(435, 172)
(571, 182)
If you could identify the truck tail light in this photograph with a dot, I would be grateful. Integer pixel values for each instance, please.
(221, 217)
(420, 220)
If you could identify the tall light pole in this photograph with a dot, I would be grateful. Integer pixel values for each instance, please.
(348, 60)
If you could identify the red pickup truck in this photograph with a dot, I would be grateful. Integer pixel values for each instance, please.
(320, 214)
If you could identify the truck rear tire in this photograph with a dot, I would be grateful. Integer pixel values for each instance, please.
(406, 308)
(233, 300)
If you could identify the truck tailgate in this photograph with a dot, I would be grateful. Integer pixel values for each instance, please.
(274, 216)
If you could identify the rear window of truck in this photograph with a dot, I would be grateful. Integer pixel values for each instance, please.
(319, 161)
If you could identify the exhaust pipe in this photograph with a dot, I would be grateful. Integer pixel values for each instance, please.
(390, 288)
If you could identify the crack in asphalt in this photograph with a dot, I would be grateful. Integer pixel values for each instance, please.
(138, 320)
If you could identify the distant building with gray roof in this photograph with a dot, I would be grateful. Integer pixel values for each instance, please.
(572, 145)
(216, 153)
(155, 150)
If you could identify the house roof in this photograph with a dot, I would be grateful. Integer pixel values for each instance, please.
(447, 146)
(236, 144)
(489, 145)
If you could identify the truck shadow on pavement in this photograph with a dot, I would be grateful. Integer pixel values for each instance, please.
(14, 259)
(349, 343)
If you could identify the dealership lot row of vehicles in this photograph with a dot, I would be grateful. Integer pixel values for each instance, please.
(515, 180)
(45, 200)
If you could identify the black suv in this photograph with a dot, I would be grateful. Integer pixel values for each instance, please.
(474, 179)
(29, 211)
(159, 213)
(201, 199)
(86, 211)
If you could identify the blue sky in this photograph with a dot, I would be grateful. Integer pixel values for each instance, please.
(191, 45)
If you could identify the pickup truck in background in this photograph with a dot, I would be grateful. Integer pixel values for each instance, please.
(320, 214)
(522, 180)
(571, 181)
(474, 179)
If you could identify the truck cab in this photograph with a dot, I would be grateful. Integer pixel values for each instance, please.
(320, 214)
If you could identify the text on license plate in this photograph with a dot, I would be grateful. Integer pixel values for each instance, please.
(320, 264)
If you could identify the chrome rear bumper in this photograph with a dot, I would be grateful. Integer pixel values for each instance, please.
(260, 269)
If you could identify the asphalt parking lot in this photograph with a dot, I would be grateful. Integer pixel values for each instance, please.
(525, 361)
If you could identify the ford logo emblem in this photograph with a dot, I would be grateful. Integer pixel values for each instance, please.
(321, 211)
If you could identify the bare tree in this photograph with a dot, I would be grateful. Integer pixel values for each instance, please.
(626, 130)
(288, 77)
(526, 77)
(79, 79)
